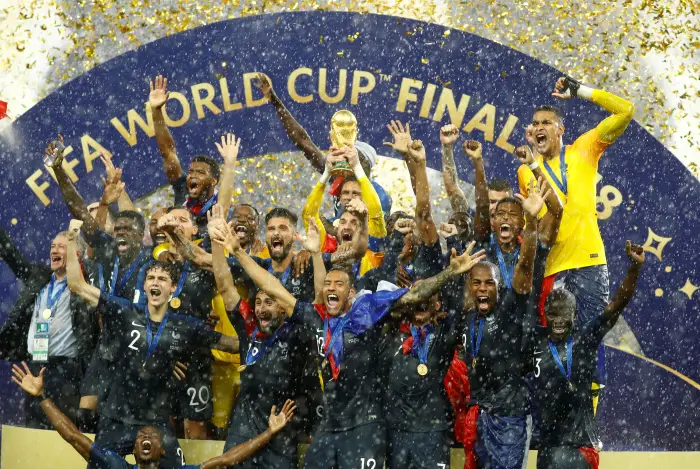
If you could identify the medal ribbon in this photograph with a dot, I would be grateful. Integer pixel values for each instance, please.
(569, 356)
(476, 345)
(252, 357)
(194, 206)
(507, 271)
(183, 277)
(421, 342)
(115, 273)
(150, 340)
(52, 298)
(561, 184)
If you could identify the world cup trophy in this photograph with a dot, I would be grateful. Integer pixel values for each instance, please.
(343, 134)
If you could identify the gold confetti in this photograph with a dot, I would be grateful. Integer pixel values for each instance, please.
(425, 60)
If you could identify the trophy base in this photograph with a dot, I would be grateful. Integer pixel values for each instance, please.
(342, 170)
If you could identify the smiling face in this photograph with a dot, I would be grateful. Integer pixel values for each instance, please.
(158, 286)
(269, 315)
(157, 236)
(508, 222)
(57, 254)
(483, 287)
(200, 181)
(279, 237)
(560, 310)
(128, 236)
(547, 131)
(184, 220)
(350, 190)
(244, 224)
(148, 446)
(347, 227)
(337, 292)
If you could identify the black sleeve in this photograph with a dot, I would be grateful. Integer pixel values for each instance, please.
(429, 261)
(238, 323)
(201, 334)
(13, 257)
(180, 189)
(456, 243)
(514, 307)
(387, 270)
(112, 309)
(305, 314)
(104, 247)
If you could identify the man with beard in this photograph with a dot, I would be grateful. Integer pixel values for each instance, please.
(197, 190)
(274, 351)
(563, 363)
(140, 392)
(148, 445)
(355, 188)
(577, 261)
(49, 326)
(119, 257)
(352, 430)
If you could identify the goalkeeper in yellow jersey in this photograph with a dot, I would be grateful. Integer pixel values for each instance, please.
(577, 259)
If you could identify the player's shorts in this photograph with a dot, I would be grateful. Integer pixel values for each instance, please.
(501, 442)
(119, 437)
(412, 450)
(266, 457)
(567, 457)
(225, 384)
(97, 377)
(363, 446)
(194, 394)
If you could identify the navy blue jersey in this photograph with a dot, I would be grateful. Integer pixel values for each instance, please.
(108, 459)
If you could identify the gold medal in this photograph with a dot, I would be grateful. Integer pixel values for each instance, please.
(47, 313)
(422, 369)
(242, 368)
(324, 364)
(175, 303)
(571, 386)
(474, 362)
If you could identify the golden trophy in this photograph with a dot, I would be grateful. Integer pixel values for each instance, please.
(343, 134)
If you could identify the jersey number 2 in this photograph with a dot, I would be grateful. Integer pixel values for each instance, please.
(136, 335)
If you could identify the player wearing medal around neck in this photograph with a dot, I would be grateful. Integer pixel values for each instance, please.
(563, 362)
(152, 339)
(352, 431)
(492, 342)
(48, 325)
(577, 260)
(147, 444)
(273, 353)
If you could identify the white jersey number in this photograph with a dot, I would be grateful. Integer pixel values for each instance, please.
(369, 463)
(136, 335)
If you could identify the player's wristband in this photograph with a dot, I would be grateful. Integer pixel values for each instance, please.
(534, 165)
(325, 176)
(585, 92)
(572, 86)
(359, 172)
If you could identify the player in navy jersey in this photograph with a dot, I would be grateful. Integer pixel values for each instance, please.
(563, 362)
(352, 432)
(150, 341)
(273, 355)
(147, 446)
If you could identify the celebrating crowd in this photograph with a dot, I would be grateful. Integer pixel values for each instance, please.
(389, 349)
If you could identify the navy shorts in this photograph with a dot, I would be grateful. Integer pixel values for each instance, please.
(194, 394)
(360, 447)
(412, 450)
(97, 377)
(567, 457)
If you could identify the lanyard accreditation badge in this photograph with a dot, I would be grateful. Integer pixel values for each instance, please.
(40, 351)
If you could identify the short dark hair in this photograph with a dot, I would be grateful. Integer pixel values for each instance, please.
(553, 109)
(171, 269)
(346, 270)
(211, 162)
(182, 207)
(135, 216)
(560, 295)
(509, 200)
(500, 185)
(488, 265)
(281, 212)
(255, 210)
(347, 179)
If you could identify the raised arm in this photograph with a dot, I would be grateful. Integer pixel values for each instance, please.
(185, 247)
(13, 257)
(524, 269)
(228, 149)
(76, 281)
(222, 273)
(34, 386)
(294, 130)
(241, 452)
(448, 137)
(75, 203)
(402, 139)
(424, 289)
(312, 207)
(263, 279)
(622, 110)
(482, 218)
(416, 162)
(312, 243)
(624, 293)
(157, 99)
(113, 189)
(377, 225)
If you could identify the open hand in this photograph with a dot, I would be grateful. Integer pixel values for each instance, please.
(158, 96)
(402, 136)
(464, 263)
(300, 262)
(278, 421)
(312, 240)
(635, 252)
(113, 187)
(473, 149)
(24, 378)
(449, 134)
(535, 197)
(228, 148)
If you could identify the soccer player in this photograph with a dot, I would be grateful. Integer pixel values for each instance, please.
(197, 190)
(563, 362)
(273, 358)
(492, 343)
(147, 446)
(151, 339)
(577, 259)
(352, 430)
